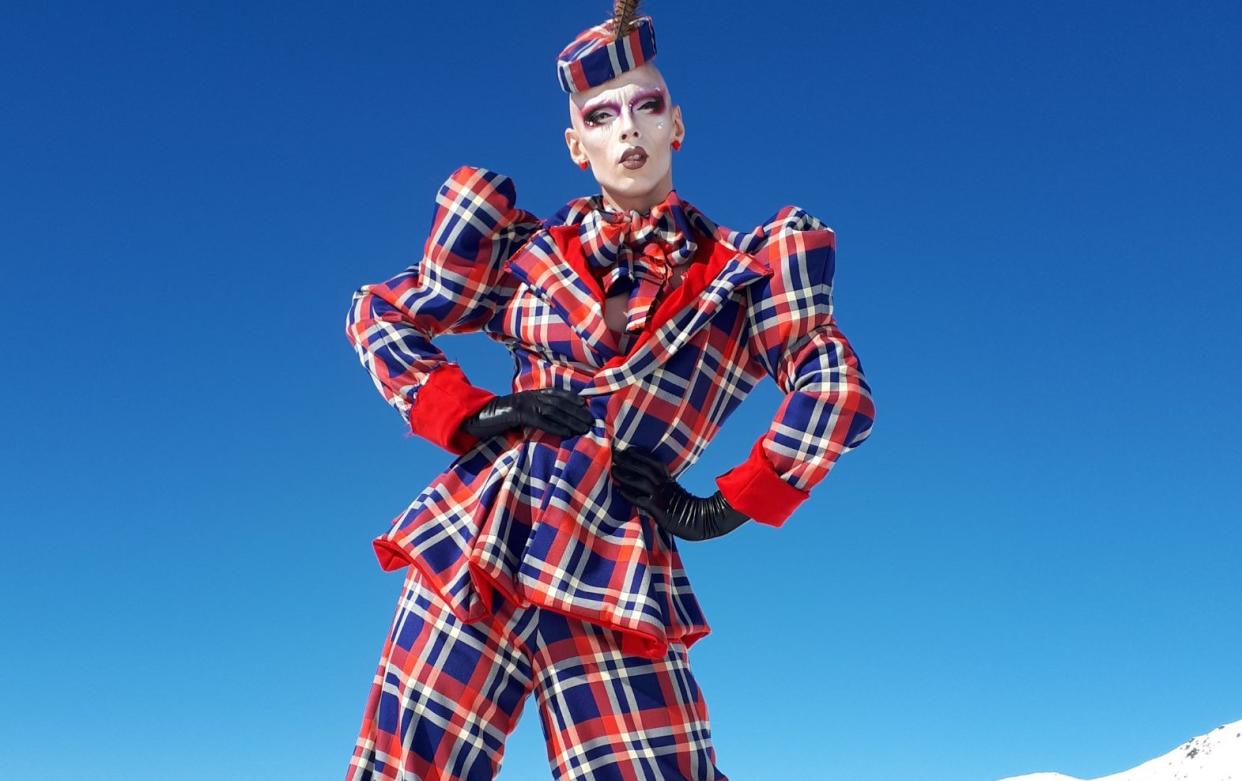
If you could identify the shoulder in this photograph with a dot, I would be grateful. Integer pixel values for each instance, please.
(475, 191)
(799, 251)
(785, 223)
(560, 233)
(798, 247)
(475, 208)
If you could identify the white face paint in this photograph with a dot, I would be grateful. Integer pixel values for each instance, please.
(612, 121)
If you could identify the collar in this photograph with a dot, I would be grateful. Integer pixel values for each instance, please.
(609, 235)
(631, 249)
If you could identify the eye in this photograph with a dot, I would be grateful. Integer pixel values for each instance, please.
(597, 116)
(655, 104)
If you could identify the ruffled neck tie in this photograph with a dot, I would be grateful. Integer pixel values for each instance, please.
(639, 251)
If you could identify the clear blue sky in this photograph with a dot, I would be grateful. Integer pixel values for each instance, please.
(1032, 564)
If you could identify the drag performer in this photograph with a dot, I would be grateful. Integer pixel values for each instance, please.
(543, 558)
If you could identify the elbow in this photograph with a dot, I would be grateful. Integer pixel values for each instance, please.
(859, 407)
(355, 314)
(838, 381)
(366, 309)
(840, 409)
(357, 300)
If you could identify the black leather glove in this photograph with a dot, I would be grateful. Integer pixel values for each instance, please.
(554, 410)
(644, 480)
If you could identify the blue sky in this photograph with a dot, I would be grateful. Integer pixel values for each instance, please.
(1031, 565)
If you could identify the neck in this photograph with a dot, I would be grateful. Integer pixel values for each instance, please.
(641, 203)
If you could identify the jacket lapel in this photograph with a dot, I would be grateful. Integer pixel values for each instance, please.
(553, 266)
(557, 274)
(683, 312)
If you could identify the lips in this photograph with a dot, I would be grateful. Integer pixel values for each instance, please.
(634, 157)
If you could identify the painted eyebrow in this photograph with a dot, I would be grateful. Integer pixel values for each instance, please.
(648, 95)
(608, 104)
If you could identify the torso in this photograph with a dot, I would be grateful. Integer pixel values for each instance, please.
(614, 312)
(614, 306)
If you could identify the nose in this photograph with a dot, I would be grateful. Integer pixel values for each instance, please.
(628, 128)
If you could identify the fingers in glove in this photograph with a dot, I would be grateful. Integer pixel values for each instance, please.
(568, 395)
(633, 469)
(561, 425)
(566, 407)
(554, 410)
(644, 456)
(643, 503)
(554, 427)
(572, 412)
(634, 480)
(562, 395)
(635, 462)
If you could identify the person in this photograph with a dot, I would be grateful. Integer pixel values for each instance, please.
(543, 559)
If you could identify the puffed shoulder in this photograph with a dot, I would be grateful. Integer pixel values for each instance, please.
(484, 196)
(481, 181)
(799, 249)
(475, 209)
(786, 220)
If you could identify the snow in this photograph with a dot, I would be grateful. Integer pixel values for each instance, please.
(1216, 756)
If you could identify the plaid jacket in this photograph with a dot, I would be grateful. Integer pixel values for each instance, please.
(535, 515)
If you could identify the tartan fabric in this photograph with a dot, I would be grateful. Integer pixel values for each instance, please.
(453, 288)
(533, 517)
(447, 694)
(628, 250)
(794, 336)
(595, 55)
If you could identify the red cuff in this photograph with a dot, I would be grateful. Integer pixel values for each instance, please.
(753, 487)
(443, 404)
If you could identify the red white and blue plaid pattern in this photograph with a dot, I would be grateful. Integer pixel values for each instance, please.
(629, 250)
(447, 694)
(594, 56)
(535, 517)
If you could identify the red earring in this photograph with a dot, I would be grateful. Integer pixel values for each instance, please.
(584, 164)
(676, 144)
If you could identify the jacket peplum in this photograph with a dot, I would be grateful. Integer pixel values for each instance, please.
(535, 516)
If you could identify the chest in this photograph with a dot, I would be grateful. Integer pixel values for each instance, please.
(563, 329)
(615, 305)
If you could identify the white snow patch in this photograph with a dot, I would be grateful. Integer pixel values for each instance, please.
(1216, 756)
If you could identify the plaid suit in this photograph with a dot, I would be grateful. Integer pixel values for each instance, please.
(530, 518)
(447, 694)
(535, 516)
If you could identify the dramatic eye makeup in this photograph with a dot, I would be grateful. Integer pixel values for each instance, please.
(652, 99)
(591, 115)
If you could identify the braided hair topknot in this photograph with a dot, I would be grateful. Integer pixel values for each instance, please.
(622, 16)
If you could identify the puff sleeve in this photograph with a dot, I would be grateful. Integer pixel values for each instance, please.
(455, 287)
(793, 335)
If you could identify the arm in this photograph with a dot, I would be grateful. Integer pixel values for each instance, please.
(644, 480)
(455, 287)
(793, 336)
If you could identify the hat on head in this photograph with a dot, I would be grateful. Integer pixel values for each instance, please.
(601, 53)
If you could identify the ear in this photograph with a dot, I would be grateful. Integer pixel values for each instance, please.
(679, 126)
(575, 146)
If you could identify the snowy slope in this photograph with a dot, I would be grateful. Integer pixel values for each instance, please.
(1216, 756)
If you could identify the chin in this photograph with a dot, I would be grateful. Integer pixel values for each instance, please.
(632, 187)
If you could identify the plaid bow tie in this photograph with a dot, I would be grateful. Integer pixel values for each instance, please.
(639, 250)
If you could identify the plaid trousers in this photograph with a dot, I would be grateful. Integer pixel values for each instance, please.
(447, 694)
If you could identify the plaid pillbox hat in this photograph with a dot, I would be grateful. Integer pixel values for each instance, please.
(597, 55)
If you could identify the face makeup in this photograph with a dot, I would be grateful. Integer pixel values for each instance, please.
(625, 128)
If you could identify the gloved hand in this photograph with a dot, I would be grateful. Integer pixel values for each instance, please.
(554, 410)
(644, 480)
